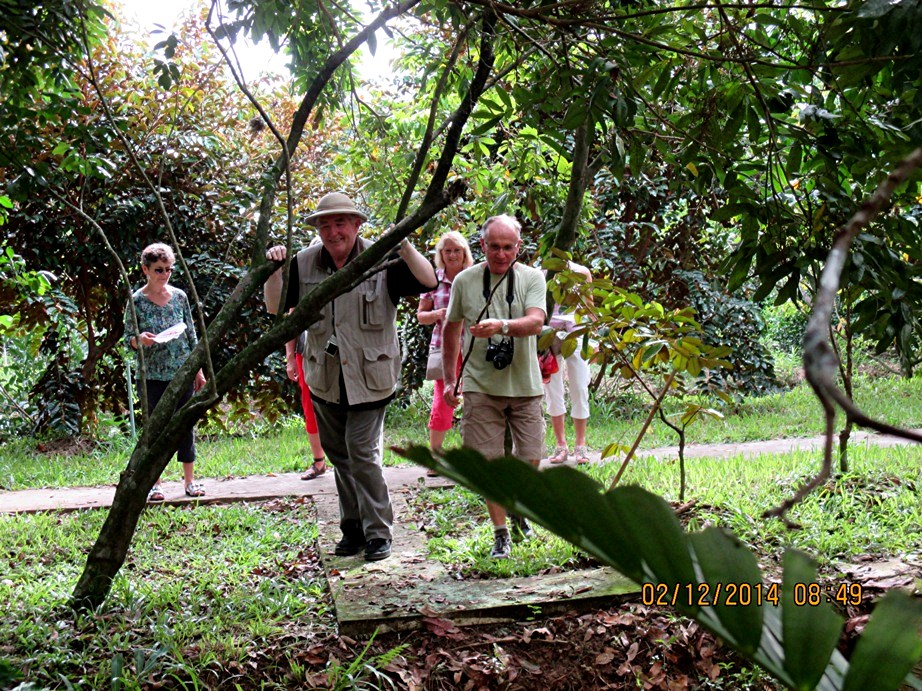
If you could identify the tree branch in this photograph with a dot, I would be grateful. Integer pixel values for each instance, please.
(423, 151)
(820, 361)
(579, 179)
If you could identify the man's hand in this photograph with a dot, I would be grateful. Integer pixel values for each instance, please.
(291, 368)
(448, 393)
(487, 328)
(277, 253)
(199, 381)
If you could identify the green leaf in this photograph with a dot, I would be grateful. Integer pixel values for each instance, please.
(566, 497)
(638, 154)
(613, 449)
(889, 646)
(568, 347)
(875, 8)
(546, 339)
(811, 628)
(795, 157)
(754, 123)
(651, 527)
(727, 562)
(554, 264)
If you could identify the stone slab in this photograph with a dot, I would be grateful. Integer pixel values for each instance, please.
(397, 593)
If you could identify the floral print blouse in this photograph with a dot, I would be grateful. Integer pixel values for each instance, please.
(162, 360)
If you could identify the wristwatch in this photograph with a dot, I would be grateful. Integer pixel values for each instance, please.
(505, 327)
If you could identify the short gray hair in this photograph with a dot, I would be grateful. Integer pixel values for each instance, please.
(504, 218)
(157, 252)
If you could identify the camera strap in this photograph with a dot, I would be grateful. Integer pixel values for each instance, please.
(509, 277)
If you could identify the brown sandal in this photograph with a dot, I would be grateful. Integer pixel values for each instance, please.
(317, 469)
(561, 454)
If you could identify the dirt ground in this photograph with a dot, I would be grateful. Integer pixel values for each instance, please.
(628, 647)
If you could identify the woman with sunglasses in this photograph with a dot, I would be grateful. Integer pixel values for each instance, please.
(161, 308)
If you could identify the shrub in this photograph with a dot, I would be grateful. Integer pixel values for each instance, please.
(784, 326)
(727, 320)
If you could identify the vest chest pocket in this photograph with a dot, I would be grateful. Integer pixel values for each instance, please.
(380, 366)
(372, 308)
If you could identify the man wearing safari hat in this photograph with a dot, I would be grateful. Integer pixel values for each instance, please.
(352, 362)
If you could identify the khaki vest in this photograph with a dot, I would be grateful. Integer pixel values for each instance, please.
(366, 335)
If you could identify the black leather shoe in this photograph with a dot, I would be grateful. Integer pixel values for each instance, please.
(349, 545)
(377, 549)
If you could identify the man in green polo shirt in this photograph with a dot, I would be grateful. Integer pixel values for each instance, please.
(498, 306)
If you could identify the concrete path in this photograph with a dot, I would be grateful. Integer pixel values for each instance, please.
(258, 487)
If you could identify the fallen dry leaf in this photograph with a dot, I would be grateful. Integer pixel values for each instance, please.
(443, 628)
(605, 658)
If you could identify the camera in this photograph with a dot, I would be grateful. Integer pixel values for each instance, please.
(500, 354)
(332, 347)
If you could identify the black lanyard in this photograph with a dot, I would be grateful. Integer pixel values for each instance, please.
(510, 288)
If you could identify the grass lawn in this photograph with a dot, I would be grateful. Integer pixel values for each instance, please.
(211, 594)
(283, 448)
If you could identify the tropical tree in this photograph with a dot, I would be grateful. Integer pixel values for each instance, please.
(198, 141)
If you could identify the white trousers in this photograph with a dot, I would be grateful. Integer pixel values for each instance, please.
(577, 373)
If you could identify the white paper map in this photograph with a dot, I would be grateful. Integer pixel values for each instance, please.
(169, 334)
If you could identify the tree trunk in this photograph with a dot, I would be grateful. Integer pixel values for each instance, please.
(579, 180)
(165, 428)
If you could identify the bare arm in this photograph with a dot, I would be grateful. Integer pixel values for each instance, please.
(529, 325)
(272, 288)
(426, 315)
(451, 347)
(580, 269)
(291, 363)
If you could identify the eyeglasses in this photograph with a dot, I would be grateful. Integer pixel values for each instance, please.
(493, 247)
(162, 270)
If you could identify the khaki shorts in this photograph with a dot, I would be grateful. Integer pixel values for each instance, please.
(483, 424)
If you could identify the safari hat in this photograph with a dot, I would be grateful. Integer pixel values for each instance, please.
(334, 203)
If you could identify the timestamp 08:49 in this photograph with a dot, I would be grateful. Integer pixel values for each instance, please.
(733, 594)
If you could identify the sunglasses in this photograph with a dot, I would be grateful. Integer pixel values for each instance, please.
(161, 270)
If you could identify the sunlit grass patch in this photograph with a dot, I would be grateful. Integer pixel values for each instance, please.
(874, 509)
(202, 586)
(460, 536)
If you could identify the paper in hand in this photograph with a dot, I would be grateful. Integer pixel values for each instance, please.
(169, 334)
